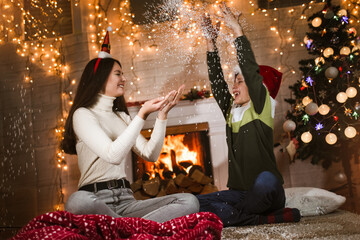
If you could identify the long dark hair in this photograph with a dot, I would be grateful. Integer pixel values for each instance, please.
(86, 96)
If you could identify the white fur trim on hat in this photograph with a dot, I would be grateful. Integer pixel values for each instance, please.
(103, 54)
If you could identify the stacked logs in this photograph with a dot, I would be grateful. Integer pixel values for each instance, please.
(195, 182)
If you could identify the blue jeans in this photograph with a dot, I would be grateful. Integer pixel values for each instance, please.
(239, 208)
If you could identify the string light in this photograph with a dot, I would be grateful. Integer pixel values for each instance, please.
(48, 54)
(286, 42)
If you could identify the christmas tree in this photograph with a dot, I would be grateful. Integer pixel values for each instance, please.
(324, 115)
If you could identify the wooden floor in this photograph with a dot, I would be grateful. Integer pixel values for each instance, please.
(352, 203)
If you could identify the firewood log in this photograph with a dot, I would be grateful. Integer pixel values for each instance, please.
(141, 195)
(136, 185)
(200, 177)
(195, 188)
(171, 187)
(183, 181)
(151, 187)
(167, 174)
(146, 176)
(186, 163)
(194, 167)
(209, 188)
(177, 169)
(162, 192)
(183, 190)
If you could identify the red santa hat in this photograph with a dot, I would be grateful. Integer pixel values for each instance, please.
(271, 78)
(105, 49)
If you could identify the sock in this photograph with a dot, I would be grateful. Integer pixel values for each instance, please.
(281, 216)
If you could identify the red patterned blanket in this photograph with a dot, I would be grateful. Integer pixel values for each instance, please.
(64, 225)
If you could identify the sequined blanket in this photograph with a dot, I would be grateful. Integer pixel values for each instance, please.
(64, 225)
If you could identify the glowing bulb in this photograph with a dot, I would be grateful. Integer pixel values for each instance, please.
(324, 109)
(328, 52)
(331, 138)
(316, 22)
(351, 92)
(345, 51)
(319, 59)
(306, 100)
(341, 97)
(350, 132)
(306, 137)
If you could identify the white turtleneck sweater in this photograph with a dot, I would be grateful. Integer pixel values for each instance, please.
(105, 138)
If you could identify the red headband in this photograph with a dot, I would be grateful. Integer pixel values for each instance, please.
(96, 65)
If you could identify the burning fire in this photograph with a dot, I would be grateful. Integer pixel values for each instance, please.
(173, 154)
(182, 152)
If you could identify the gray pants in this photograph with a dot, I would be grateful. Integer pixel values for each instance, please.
(120, 202)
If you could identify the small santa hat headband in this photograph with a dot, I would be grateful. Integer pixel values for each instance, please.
(105, 49)
(271, 78)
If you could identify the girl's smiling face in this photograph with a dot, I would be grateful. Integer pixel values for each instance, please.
(115, 83)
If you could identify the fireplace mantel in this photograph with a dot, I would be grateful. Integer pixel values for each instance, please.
(199, 111)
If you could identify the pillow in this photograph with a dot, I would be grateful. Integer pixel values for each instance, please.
(312, 201)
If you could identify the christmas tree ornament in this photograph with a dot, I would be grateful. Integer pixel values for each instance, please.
(355, 48)
(289, 125)
(355, 115)
(303, 85)
(351, 92)
(319, 126)
(357, 106)
(305, 118)
(319, 60)
(291, 149)
(328, 52)
(299, 107)
(331, 72)
(350, 132)
(306, 100)
(342, 12)
(306, 137)
(345, 51)
(324, 109)
(352, 31)
(316, 22)
(340, 177)
(344, 19)
(348, 112)
(311, 108)
(329, 14)
(331, 138)
(309, 80)
(323, 32)
(341, 97)
(322, 94)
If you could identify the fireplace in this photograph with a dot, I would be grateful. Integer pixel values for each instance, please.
(184, 164)
(194, 112)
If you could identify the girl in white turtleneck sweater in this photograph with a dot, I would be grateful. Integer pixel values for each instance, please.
(100, 131)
